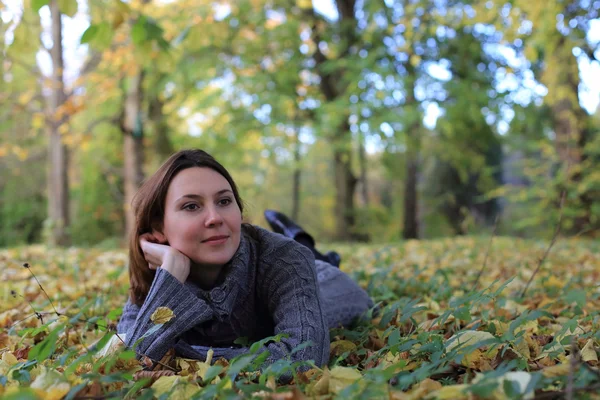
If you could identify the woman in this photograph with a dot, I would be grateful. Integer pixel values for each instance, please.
(224, 279)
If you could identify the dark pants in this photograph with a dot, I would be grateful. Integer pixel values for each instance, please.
(302, 239)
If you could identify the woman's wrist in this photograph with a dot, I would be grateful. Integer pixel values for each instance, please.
(177, 265)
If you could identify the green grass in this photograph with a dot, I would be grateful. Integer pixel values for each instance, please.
(436, 335)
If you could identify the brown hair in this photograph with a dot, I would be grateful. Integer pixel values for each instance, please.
(148, 208)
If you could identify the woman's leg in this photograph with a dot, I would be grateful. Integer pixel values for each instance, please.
(343, 300)
(280, 223)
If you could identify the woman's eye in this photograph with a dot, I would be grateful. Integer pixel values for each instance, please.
(190, 207)
(225, 202)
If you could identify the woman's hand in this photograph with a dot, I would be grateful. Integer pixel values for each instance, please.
(164, 256)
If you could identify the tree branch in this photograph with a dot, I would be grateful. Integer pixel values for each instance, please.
(35, 71)
(487, 253)
(556, 232)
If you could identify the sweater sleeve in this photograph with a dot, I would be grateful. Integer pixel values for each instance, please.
(291, 292)
(290, 289)
(166, 291)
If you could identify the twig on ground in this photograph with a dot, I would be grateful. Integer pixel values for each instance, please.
(570, 390)
(573, 365)
(559, 394)
(554, 237)
(26, 265)
(39, 316)
(487, 253)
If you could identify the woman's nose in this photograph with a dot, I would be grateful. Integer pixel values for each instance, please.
(213, 217)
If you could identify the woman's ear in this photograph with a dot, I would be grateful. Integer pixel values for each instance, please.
(157, 232)
(162, 239)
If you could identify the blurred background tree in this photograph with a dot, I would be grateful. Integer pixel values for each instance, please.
(364, 120)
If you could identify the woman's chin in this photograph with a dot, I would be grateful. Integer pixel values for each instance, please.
(207, 264)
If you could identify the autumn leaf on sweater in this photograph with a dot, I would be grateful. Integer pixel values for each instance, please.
(162, 315)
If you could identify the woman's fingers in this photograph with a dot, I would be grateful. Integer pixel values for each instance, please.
(148, 237)
(153, 252)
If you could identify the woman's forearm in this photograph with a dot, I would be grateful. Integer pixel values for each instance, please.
(166, 291)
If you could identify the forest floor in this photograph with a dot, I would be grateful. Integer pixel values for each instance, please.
(453, 323)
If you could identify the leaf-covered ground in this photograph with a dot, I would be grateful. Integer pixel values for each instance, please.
(435, 335)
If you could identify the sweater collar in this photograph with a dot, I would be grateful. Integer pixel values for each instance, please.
(222, 298)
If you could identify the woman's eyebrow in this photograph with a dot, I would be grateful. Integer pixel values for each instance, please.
(197, 196)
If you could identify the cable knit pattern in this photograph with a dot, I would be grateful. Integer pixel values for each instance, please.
(273, 285)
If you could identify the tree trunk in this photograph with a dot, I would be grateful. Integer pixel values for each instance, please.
(58, 183)
(163, 147)
(133, 145)
(296, 183)
(569, 120)
(333, 87)
(411, 224)
(362, 158)
(345, 184)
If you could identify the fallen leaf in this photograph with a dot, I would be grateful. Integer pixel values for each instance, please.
(588, 353)
(9, 358)
(556, 370)
(467, 339)
(152, 375)
(162, 315)
(178, 387)
(3, 340)
(339, 347)
(321, 386)
(451, 392)
(342, 377)
(22, 353)
(51, 384)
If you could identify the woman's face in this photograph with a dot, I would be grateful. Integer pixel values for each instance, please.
(202, 219)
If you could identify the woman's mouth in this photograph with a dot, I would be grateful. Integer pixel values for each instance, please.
(216, 240)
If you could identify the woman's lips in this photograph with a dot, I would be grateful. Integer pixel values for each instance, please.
(216, 240)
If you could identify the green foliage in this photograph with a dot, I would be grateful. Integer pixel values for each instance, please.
(275, 87)
(99, 213)
(431, 331)
(22, 211)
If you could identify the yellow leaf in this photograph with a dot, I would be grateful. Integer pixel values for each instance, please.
(38, 121)
(588, 353)
(452, 392)
(339, 347)
(342, 377)
(21, 153)
(63, 129)
(9, 359)
(522, 347)
(321, 387)
(164, 384)
(178, 387)
(304, 4)
(26, 97)
(419, 391)
(68, 7)
(556, 370)
(51, 384)
(554, 282)
(467, 338)
(162, 315)
(415, 60)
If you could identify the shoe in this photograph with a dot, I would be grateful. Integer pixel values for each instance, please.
(334, 258)
(285, 226)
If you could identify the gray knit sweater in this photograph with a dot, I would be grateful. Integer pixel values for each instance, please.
(272, 285)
